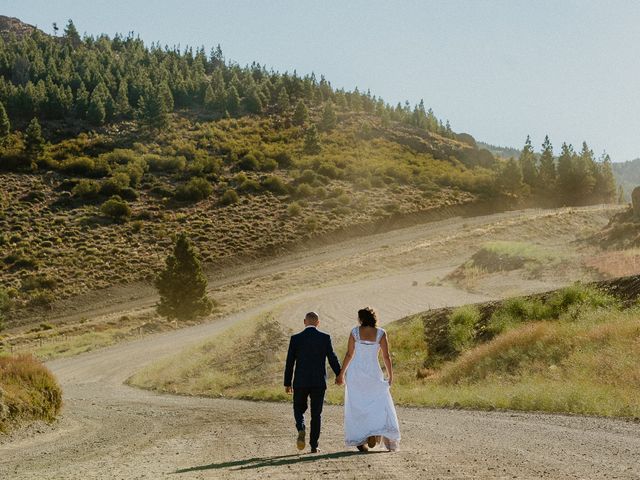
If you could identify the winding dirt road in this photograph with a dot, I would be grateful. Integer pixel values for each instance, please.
(112, 431)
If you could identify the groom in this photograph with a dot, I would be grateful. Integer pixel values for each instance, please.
(306, 365)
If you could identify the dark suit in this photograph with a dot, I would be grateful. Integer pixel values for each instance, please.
(308, 353)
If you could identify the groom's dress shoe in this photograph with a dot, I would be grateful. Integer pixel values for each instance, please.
(363, 448)
(300, 443)
(315, 450)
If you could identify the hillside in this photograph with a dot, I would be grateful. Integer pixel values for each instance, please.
(109, 147)
(627, 176)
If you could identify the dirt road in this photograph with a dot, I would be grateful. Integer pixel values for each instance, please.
(112, 431)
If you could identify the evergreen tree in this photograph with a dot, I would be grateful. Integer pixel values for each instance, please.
(253, 102)
(329, 119)
(584, 175)
(96, 113)
(605, 185)
(123, 107)
(167, 97)
(152, 110)
(528, 164)
(566, 177)
(71, 34)
(301, 114)
(621, 199)
(312, 141)
(33, 140)
(282, 102)
(547, 172)
(233, 101)
(182, 284)
(510, 178)
(82, 102)
(5, 126)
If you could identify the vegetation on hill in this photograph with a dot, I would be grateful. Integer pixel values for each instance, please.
(108, 147)
(28, 392)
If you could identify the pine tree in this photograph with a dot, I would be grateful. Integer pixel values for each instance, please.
(96, 113)
(312, 141)
(282, 102)
(33, 140)
(547, 172)
(329, 119)
(152, 110)
(123, 107)
(528, 164)
(621, 198)
(5, 126)
(82, 102)
(71, 34)
(301, 114)
(566, 177)
(182, 284)
(232, 101)
(605, 185)
(510, 178)
(253, 102)
(585, 175)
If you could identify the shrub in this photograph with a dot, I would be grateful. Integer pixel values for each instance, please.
(229, 197)
(120, 156)
(38, 282)
(304, 191)
(249, 162)
(462, 327)
(40, 299)
(114, 184)
(249, 186)
(514, 311)
(268, 165)
(30, 392)
(274, 184)
(159, 163)
(86, 189)
(294, 209)
(284, 159)
(116, 209)
(579, 295)
(5, 305)
(195, 190)
(85, 166)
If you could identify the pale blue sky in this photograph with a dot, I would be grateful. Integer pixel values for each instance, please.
(497, 69)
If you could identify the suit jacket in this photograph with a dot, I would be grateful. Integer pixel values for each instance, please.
(308, 352)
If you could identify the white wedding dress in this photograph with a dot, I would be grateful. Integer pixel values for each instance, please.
(368, 406)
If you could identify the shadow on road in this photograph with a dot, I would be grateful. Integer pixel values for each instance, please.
(259, 462)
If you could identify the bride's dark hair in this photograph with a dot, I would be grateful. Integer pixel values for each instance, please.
(367, 317)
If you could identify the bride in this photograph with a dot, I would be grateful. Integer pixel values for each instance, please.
(369, 414)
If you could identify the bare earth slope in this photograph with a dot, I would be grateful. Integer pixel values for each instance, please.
(110, 430)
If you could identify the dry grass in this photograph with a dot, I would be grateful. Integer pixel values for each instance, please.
(28, 392)
(243, 362)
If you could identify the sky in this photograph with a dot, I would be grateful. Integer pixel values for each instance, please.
(500, 70)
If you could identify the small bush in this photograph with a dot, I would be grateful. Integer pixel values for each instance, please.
(229, 197)
(304, 191)
(29, 392)
(462, 327)
(250, 186)
(38, 282)
(294, 209)
(86, 189)
(195, 190)
(249, 163)
(158, 163)
(275, 185)
(514, 311)
(268, 165)
(85, 166)
(40, 299)
(116, 209)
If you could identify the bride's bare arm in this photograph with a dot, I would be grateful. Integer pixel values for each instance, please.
(386, 357)
(347, 359)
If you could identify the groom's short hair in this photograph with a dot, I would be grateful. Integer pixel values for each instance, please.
(313, 316)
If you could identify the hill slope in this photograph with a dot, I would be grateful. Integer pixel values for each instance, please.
(111, 146)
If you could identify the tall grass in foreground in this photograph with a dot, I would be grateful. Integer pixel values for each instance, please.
(28, 391)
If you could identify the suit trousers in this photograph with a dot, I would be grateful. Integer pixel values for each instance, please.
(301, 396)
